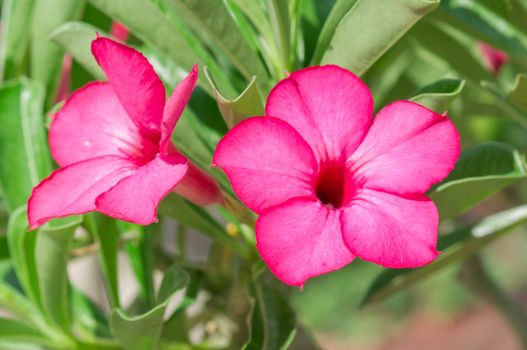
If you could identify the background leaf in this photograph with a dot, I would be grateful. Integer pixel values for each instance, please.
(23, 147)
(439, 96)
(480, 172)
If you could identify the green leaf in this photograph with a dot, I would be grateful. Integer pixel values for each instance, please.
(370, 28)
(198, 218)
(106, 234)
(248, 104)
(46, 56)
(439, 96)
(273, 321)
(480, 172)
(14, 37)
(143, 332)
(52, 254)
(12, 330)
(280, 22)
(474, 18)
(518, 93)
(449, 47)
(75, 38)
(146, 21)
(22, 248)
(89, 320)
(23, 147)
(339, 9)
(223, 31)
(457, 246)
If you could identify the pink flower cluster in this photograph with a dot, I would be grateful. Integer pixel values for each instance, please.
(328, 181)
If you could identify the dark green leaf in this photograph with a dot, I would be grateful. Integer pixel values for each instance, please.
(46, 56)
(22, 248)
(370, 28)
(248, 104)
(174, 280)
(52, 254)
(439, 96)
(456, 246)
(23, 147)
(480, 172)
(273, 322)
(75, 38)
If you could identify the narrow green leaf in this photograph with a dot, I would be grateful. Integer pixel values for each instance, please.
(16, 16)
(480, 172)
(52, 253)
(22, 248)
(12, 330)
(248, 104)
(439, 96)
(46, 56)
(518, 93)
(273, 322)
(75, 38)
(279, 15)
(106, 234)
(143, 332)
(223, 31)
(23, 146)
(457, 246)
(370, 28)
(339, 9)
(198, 218)
(146, 21)
(89, 320)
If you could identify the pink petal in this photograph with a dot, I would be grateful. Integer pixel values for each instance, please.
(393, 231)
(136, 198)
(407, 149)
(136, 83)
(93, 123)
(73, 189)
(267, 162)
(175, 106)
(301, 239)
(329, 106)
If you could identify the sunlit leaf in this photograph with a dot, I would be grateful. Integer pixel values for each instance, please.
(370, 28)
(248, 104)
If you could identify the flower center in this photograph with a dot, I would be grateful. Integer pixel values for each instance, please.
(334, 186)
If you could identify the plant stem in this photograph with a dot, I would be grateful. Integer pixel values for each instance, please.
(478, 280)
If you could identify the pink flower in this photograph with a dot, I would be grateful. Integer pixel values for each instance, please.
(493, 58)
(112, 142)
(119, 31)
(330, 183)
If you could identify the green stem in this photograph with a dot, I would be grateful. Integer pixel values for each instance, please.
(478, 280)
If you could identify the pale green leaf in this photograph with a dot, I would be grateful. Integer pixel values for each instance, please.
(370, 28)
(439, 96)
(75, 38)
(518, 93)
